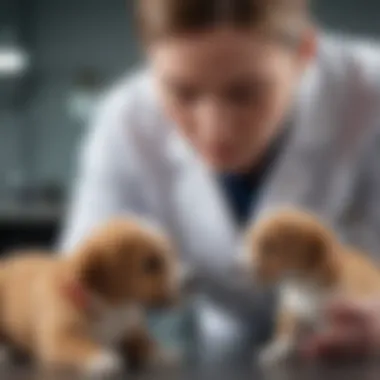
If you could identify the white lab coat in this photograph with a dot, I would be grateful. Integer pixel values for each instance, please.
(134, 162)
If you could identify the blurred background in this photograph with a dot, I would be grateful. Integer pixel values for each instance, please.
(56, 57)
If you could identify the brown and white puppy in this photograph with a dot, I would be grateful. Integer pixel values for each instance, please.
(294, 250)
(84, 312)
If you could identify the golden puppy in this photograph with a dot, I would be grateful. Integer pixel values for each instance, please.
(85, 312)
(296, 251)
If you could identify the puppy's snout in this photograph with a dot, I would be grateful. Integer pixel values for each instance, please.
(163, 297)
(179, 284)
(171, 291)
(168, 300)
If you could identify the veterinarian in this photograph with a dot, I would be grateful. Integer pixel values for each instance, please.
(243, 106)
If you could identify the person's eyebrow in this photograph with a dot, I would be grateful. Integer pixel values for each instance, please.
(182, 86)
(248, 81)
(243, 82)
(178, 82)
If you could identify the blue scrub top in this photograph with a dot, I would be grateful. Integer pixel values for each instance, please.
(242, 190)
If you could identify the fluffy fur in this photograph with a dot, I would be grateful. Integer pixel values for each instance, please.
(84, 312)
(294, 250)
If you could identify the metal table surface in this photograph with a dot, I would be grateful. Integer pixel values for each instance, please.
(312, 372)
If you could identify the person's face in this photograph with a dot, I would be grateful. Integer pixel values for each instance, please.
(227, 91)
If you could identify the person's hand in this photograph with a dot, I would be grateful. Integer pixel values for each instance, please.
(353, 331)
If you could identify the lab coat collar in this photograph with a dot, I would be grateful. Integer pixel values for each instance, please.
(202, 200)
(180, 151)
(289, 183)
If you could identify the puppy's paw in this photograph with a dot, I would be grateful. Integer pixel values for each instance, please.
(106, 364)
(275, 354)
(167, 359)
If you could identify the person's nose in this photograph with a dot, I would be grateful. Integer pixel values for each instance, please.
(215, 120)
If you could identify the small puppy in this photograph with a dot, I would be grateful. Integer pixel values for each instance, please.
(84, 312)
(294, 250)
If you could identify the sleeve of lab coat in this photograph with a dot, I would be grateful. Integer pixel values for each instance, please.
(104, 186)
(371, 182)
(360, 224)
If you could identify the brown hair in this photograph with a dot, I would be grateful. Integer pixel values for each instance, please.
(162, 18)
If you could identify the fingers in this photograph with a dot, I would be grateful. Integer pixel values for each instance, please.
(350, 332)
(338, 343)
(345, 312)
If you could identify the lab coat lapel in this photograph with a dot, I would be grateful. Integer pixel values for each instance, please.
(209, 231)
(300, 177)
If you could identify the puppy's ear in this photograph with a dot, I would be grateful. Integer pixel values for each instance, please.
(317, 252)
(321, 258)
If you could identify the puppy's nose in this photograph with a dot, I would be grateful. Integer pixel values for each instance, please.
(165, 303)
(176, 286)
(162, 303)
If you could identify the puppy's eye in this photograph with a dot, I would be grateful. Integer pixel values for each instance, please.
(153, 265)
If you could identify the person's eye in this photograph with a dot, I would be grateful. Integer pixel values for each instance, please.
(242, 95)
(247, 93)
(185, 94)
(153, 265)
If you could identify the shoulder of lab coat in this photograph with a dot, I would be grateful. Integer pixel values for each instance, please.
(362, 63)
(342, 82)
(108, 171)
(358, 62)
(357, 59)
(352, 66)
